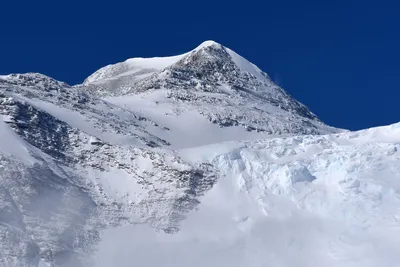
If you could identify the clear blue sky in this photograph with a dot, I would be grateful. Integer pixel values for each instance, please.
(340, 58)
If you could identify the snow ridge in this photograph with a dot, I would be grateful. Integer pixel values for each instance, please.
(220, 85)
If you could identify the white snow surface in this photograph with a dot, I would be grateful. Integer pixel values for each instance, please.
(133, 66)
(11, 145)
(210, 83)
(245, 65)
(169, 159)
(329, 200)
(153, 63)
(182, 126)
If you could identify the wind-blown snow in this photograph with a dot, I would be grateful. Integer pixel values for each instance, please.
(245, 65)
(299, 201)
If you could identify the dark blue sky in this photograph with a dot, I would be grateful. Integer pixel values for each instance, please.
(340, 58)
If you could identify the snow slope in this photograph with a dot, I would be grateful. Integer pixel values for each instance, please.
(139, 67)
(181, 125)
(213, 82)
(72, 165)
(300, 201)
(133, 67)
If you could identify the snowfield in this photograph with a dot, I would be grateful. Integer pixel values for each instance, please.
(329, 200)
(190, 160)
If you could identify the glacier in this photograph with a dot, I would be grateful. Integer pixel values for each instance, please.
(330, 200)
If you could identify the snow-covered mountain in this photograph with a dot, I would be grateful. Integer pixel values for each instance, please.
(72, 164)
(199, 156)
(330, 200)
(211, 81)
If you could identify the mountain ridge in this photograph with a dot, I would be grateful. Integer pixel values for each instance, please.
(209, 137)
(158, 63)
(216, 82)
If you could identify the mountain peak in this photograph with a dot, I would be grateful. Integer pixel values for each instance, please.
(211, 53)
(141, 67)
(208, 43)
(209, 68)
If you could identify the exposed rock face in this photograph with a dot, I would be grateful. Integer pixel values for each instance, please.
(54, 206)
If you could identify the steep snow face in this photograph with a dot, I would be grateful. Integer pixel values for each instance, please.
(25, 97)
(186, 124)
(138, 68)
(246, 66)
(219, 85)
(10, 143)
(132, 69)
(300, 201)
(72, 165)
